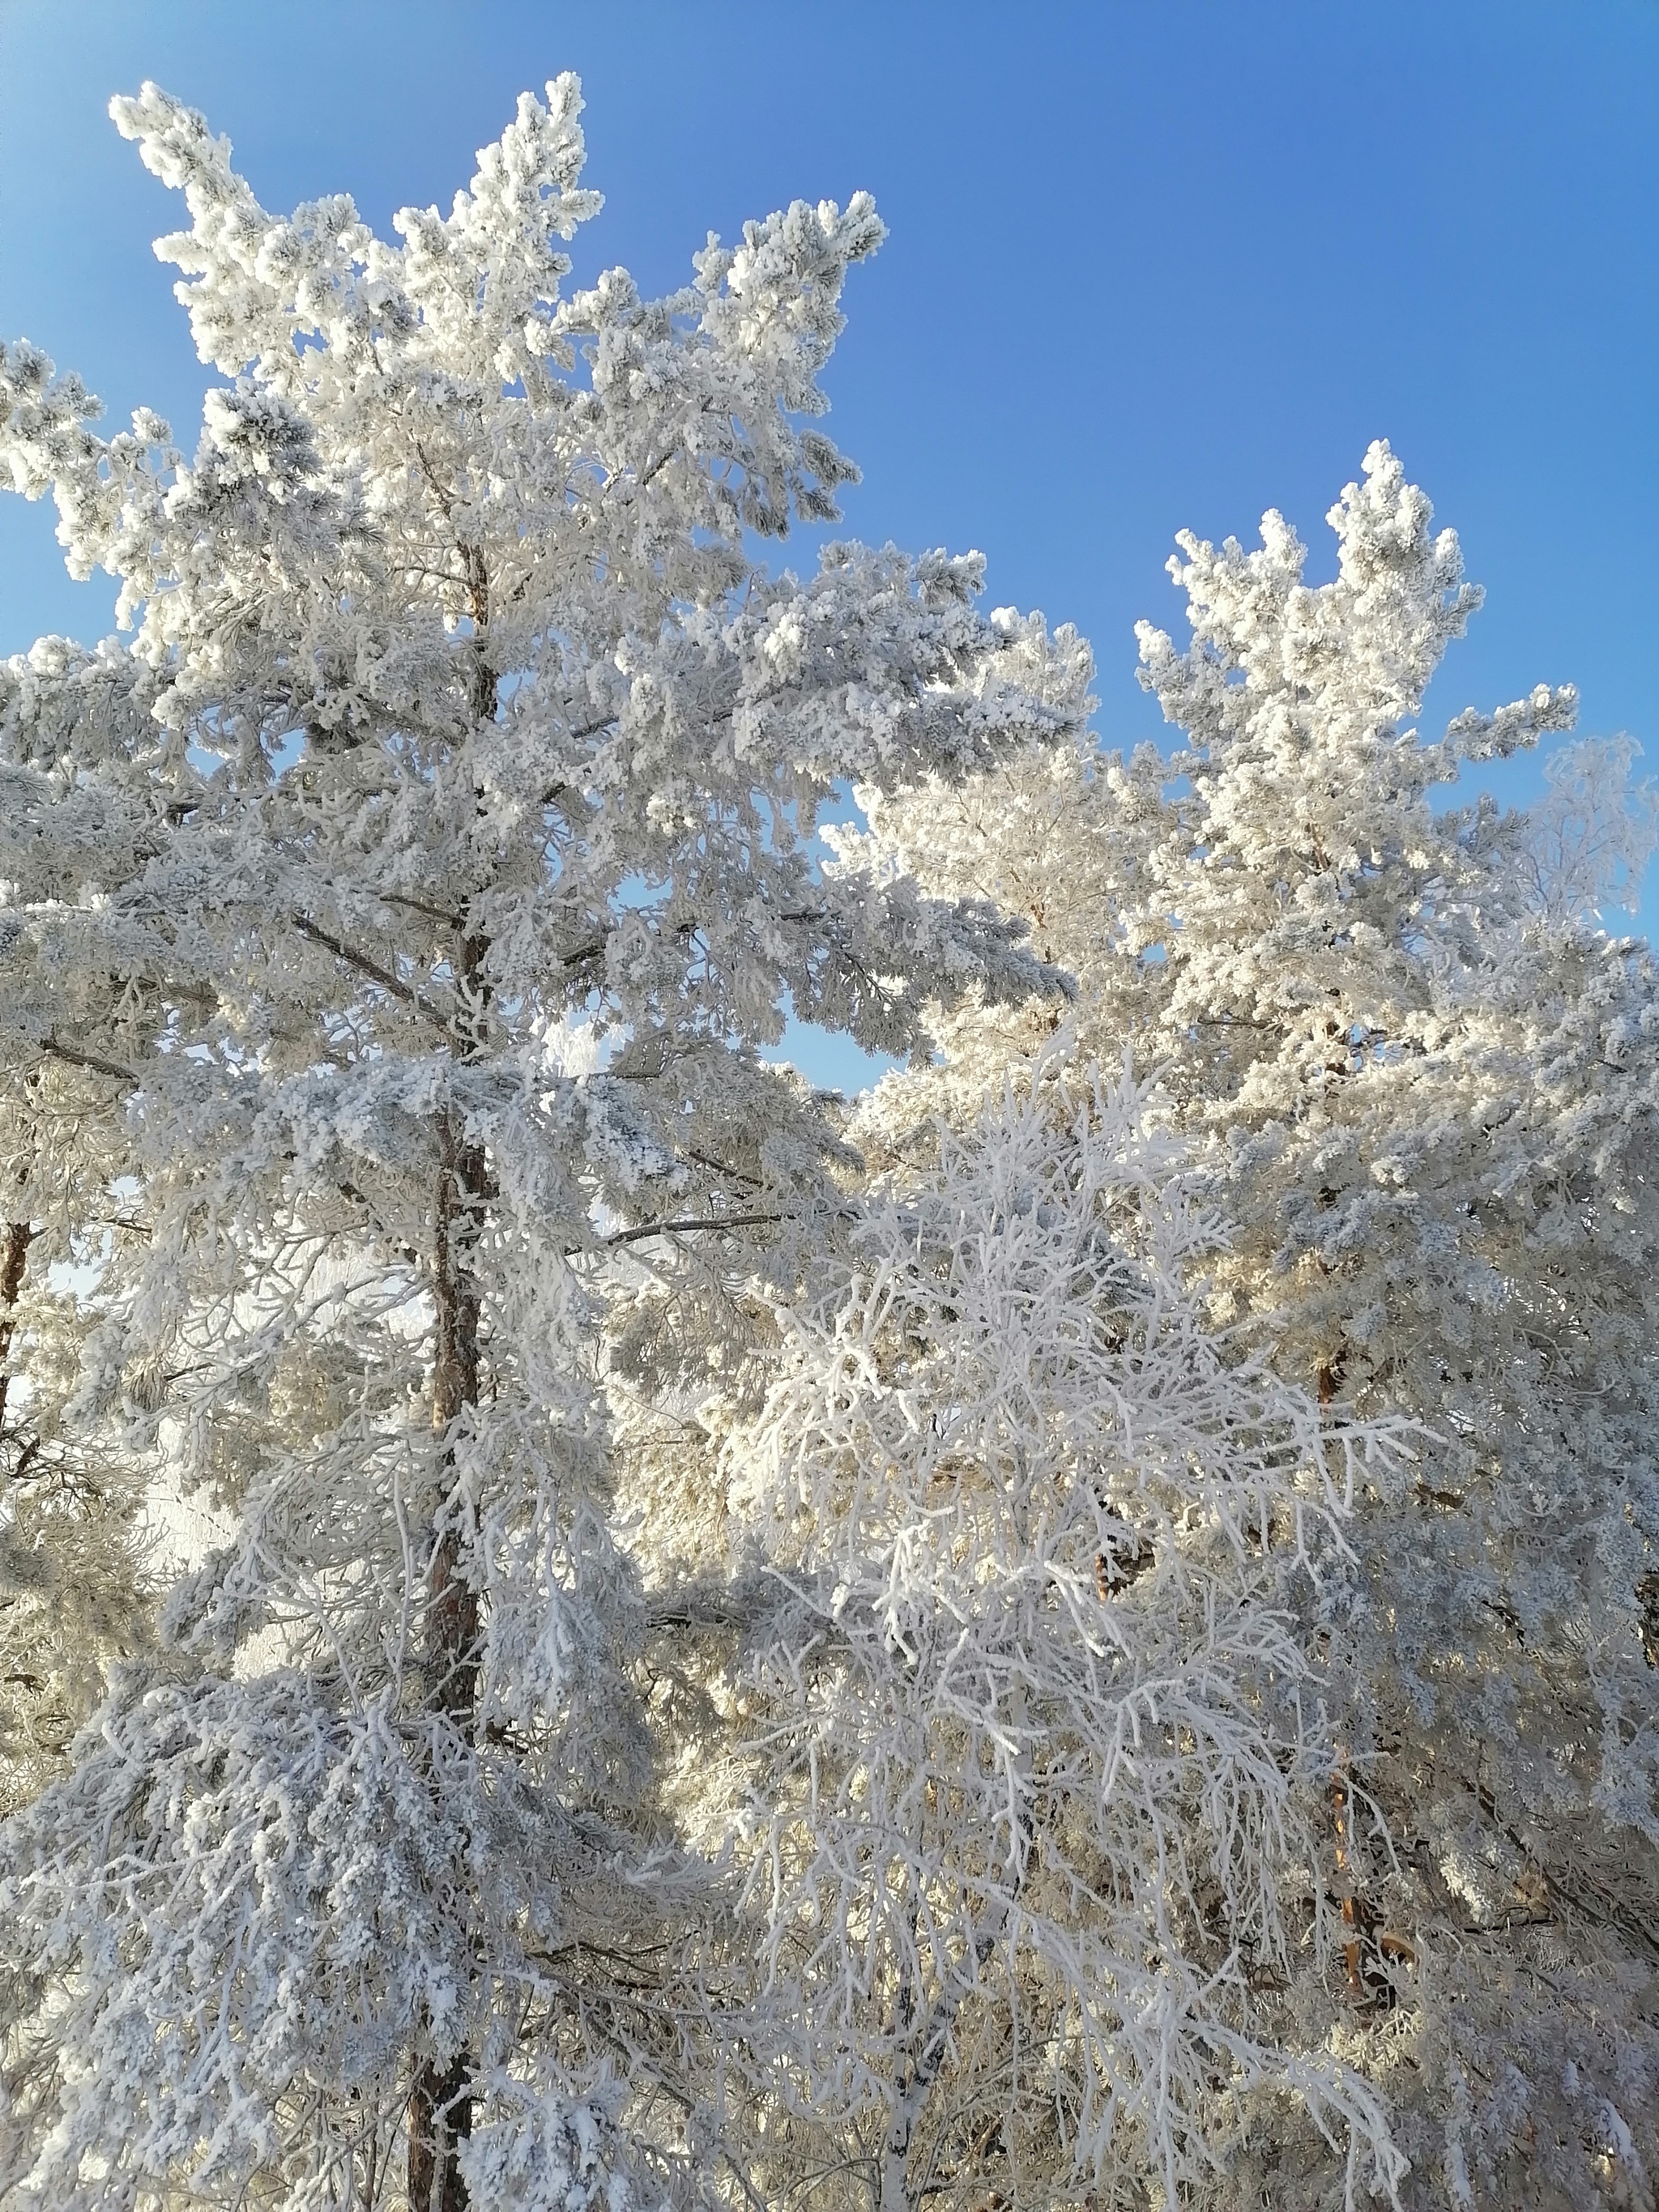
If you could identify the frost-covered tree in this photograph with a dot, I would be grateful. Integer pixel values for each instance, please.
(73, 1585)
(398, 912)
(1027, 1726)
(1588, 840)
(1427, 1083)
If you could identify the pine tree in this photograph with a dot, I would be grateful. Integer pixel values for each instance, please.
(402, 909)
(1425, 1077)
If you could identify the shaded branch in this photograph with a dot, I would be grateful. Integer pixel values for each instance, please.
(370, 968)
(678, 1228)
(88, 1060)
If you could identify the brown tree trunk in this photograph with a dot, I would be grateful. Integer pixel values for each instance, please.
(13, 1257)
(452, 1614)
(440, 2121)
(441, 2103)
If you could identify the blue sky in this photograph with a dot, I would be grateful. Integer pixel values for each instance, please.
(1151, 265)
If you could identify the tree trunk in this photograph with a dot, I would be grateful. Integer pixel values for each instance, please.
(440, 2121)
(895, 2162)
(441, 2103)
(441, 2099)
(452, 1616)
(13, 1257)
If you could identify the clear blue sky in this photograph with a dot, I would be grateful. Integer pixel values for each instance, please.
(1151, 265)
